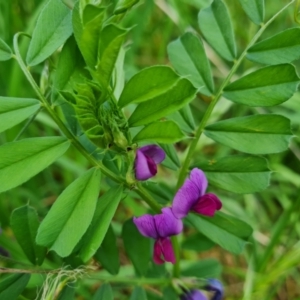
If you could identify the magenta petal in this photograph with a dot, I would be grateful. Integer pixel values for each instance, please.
(163, 251)
(146, 226)
(154, 152)
(167, 250)
(198, 177)
(157, 253)
(207, 205)
(185, 198)
(167, 224)
(145, 166)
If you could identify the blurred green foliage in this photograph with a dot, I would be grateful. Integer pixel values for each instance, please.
(269, 267)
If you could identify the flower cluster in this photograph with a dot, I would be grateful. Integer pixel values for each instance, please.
(190, 197)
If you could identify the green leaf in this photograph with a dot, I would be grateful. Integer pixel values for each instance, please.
(268, 86)
(167, 132)
(215, 25)
(239, 173)
(137, 247)
(255, 9)
(148, 84)
(283, 47)
(124, 5)
(259, 134)
(187, 116)
(112, 38)
(104, 293)
(188, 56)
(68, 293)
(105, 210)
(162, 193)
(53, 27)
(108, 253)
(70, 67)
(172, 161)
(15, 110)
(170, 293)
(207, 268)
(71, 214)
(177, 97)
(12, 286)
(87, 28)
(118, 77)
(70, 70)
(138, 294)
(229, 232)
(23, 159)
(5, 51)
(197, 242)
(24, 223)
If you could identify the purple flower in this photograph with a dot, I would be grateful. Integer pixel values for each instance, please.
(193, 295)
(191, 196)
(160, 227)
(146, 161)
(217, 287)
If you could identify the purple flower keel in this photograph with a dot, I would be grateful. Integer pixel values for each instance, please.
(146, 161)
(163, 251)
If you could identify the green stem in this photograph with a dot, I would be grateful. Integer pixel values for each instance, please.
(216, 98)
(135, 281)
(276, 235)
(176, 247)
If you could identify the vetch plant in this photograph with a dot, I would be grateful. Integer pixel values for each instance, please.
(110, 123)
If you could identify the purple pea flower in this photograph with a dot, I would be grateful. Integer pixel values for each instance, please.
(146, 161)
(193, 295)
(191, 196)
(217, 287)
(160, 227)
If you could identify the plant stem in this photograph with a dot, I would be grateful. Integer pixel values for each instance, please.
(176, 247)
(217, 97)
(134, 281)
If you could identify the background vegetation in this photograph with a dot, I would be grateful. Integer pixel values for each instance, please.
(269, 267)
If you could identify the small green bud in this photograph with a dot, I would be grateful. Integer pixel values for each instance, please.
(120, 139)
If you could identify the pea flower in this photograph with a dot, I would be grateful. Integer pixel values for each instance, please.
(191, 196)
(193, 295)
(160, 227)
(146, 161)
(217, 287)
